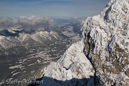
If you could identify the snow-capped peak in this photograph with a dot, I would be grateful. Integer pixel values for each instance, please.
(106, 39)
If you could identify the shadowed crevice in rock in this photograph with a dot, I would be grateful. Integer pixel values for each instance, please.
(96, 78)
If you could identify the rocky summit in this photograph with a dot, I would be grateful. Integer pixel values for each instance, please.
(106, 38)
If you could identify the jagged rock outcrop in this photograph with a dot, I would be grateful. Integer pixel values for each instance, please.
(106, 38)
(72, 69)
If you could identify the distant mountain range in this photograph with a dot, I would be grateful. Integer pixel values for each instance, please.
(30, 34)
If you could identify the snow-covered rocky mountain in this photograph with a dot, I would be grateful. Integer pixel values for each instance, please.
(107, 43)
(105, 54)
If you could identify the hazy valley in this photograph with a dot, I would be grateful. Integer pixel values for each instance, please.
(28, 44)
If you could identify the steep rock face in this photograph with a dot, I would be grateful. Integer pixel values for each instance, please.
(106, 38)
(72, 69)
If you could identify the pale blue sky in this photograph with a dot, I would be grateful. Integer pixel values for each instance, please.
(53, 8)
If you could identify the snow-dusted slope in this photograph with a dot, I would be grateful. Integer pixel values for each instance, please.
(72, 69)
(107, 43)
